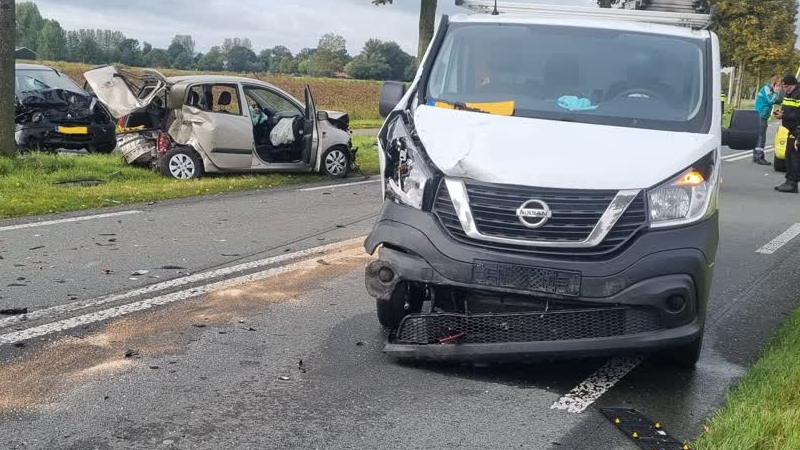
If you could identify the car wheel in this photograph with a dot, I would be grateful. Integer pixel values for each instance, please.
(685, 356)
(336, 162)
(181, 163)
(392, 311)
(779, 164)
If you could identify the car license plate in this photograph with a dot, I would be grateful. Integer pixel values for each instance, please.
(73, 130)
(524, 278)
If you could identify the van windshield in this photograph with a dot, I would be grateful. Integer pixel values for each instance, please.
(599, 76)
(38, 79)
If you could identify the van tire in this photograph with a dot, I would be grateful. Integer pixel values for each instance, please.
(685, 356)
(779, 164)
(391, 312)
(336, 162)
(181, 163)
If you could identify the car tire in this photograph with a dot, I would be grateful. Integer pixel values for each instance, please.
(685, 356)
(779, 164)
(181, 163)
(336, 162)
(391, 312)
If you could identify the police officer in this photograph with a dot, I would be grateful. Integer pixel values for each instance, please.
(790, 117)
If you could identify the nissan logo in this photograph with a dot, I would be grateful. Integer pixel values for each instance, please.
(534, 213)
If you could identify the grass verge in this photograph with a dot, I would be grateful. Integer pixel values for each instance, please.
(40, 183)
(763, 412)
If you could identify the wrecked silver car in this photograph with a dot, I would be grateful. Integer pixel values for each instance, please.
(52, 112)
(187, 126)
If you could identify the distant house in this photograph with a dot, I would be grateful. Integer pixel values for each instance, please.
(25, 53)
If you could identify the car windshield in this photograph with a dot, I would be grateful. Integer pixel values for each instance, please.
(599, 76)
(38, 79)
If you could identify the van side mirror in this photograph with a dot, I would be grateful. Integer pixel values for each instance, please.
(322, 116)
(391, 94)
(744, 130)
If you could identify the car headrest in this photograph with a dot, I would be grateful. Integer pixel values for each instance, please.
(224, 99)
(194, 98)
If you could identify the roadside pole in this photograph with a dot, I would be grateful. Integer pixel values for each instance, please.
(8, 26)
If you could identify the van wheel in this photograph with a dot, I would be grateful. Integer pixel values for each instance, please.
(181, 163)
(685, 356)
(336, 162)
(779, 164)
(392, 311)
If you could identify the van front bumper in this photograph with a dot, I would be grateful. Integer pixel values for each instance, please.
(623, 302)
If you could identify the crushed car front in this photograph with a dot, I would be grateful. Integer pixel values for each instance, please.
(52, 111)
(498, 242)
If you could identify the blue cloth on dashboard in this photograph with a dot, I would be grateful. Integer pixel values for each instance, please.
(572, 103)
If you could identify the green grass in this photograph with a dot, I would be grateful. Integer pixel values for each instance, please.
(366, 124)
(29, 184)
(763, 412)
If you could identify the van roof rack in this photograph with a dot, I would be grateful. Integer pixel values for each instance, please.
(695, 21)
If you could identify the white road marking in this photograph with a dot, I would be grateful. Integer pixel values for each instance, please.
(775, 245)
(598, 383)
(335, 186)
(74, 322)
(747, 156)
(69, 220)
(226, 271)
(733, 155)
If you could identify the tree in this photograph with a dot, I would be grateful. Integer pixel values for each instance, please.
(265, 59)
(186, 41)
(7, 43)
(129, 52)
(52, 43)
(29, 23)
(277, 56)
(214, 60)
(229, 44)
(287, 65)
(381, 61)
(146, 47)
(89, 50)
(325, 63)
(158, 57)
(242, 59)
(427, 23)
(335, 44)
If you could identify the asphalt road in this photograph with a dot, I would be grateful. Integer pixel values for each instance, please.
(253, 341)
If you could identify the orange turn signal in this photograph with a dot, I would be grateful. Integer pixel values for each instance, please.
(693, 178)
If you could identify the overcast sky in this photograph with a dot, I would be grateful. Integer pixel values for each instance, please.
(293, 23)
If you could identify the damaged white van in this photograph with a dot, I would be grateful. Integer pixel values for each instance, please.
(191, 125)
(551, 182)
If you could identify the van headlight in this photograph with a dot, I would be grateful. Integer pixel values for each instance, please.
(407, 172)
(687, 198)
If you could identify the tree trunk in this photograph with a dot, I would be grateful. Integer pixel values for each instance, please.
(7, 30)
(427, 25)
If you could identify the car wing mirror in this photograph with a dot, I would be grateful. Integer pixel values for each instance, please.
(322, 116)
(744, 130)
(391, 94)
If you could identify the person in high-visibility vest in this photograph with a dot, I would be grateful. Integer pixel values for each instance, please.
(768, 97)
(790, 118)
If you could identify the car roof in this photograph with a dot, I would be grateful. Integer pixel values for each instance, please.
(609, 24)
(19, 66)
(216, 79)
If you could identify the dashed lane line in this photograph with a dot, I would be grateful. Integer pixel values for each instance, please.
(776, 244)
(336, 186)
(598, 383)
(60, 310)
(23, 226)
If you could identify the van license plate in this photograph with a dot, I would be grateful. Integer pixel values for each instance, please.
(73, 130)
(524, 278)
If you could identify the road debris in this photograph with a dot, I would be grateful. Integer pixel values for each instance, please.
(108, 271)
(131, 353)
(169, 267)
(38, 247)
(323, 262)
(301, 367)
(645, 433)
(13, 311)
(139, 273)
(284, 378)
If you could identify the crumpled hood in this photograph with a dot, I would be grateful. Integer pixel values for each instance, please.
(546, 153)
(57, 104)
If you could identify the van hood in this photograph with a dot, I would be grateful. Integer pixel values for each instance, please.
(547, 153)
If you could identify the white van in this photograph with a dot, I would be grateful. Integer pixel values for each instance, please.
(551, 180)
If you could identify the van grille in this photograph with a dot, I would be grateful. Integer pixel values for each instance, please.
(568, 325)
(575, 214)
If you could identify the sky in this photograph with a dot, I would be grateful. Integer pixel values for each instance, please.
(293, 23)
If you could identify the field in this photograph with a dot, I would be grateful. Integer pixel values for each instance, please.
(39, 183)
(355, 97)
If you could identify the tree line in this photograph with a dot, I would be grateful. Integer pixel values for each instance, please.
(378, 60)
